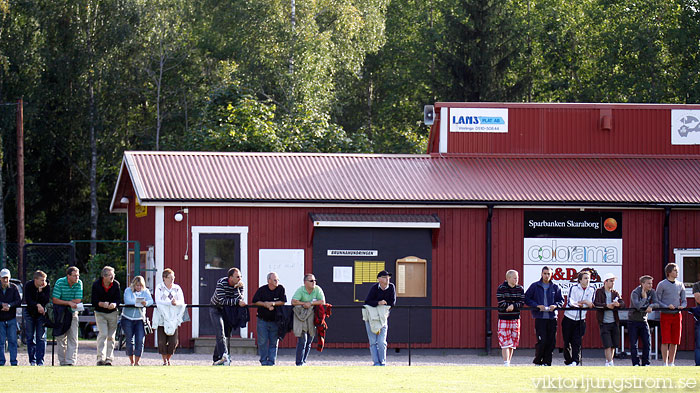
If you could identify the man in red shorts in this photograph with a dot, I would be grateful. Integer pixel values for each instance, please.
(671, 295)
(511, 298)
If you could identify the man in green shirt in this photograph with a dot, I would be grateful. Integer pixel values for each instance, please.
(68, 291)
(304, 299)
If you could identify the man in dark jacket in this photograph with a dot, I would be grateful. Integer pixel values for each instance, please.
(37, 293)
(9, 300)
(511, 298)
(228, 293)
(607, 301)
(546, 296)
(106, 296)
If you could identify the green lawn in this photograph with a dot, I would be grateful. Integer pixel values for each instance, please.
(344, 379)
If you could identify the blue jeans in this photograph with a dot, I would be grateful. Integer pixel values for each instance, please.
(639, 329)
(134, 336)
(697, 343)
(8, 331)
(267, 342)
(35, 334)
(377, 344)
(303, 347)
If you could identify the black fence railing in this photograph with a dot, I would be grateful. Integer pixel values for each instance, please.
(409, 308)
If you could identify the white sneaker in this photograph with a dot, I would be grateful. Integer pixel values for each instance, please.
(506, 364)
(672, 365)
(573, 364)
(222, 362)
(607, 364)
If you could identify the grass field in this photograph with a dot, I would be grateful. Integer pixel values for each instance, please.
(349, 379)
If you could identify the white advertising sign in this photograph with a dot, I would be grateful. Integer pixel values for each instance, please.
(479, 120)
(567, 256)
(685, 127)
(593, 252)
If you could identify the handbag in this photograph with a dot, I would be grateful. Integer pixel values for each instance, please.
(147, 328)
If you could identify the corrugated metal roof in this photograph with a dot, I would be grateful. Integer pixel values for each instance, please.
(301, 177)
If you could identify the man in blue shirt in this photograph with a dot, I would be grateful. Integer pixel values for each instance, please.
(380, 298)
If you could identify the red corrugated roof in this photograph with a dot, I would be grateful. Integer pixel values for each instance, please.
(307, 177)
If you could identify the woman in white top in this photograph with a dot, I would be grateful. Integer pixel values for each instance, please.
(168, 294)
(133, 318)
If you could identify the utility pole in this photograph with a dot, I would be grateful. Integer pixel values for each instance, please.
(20, 189)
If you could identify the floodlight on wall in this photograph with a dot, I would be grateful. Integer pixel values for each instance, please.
(428, 115)
(180, 215)
(124, 200)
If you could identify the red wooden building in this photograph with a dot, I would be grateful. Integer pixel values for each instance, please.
(448, 223)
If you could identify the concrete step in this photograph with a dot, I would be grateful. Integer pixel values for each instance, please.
(237, 345)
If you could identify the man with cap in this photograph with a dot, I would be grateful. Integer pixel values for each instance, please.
(608, 301)
(381, 297)
(9, 300)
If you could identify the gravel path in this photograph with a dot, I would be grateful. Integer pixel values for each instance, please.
(348, 357)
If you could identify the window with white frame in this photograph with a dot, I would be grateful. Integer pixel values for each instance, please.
(688, 261)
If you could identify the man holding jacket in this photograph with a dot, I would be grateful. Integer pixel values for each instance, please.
(608, 301)
(380, 298)
(546, 296)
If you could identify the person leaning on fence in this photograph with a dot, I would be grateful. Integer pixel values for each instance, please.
(106, 296)
(67, 296)
(228, 293)
(381, 297)
(511, 298)
(642, 300)
(546, 296)
(133, 318)
(607, 301)
(305, 298)
(9, 300)
(37, 293)
(170, 302)
(267, 297)
(573, 325)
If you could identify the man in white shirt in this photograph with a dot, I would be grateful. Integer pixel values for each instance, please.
(573, 326)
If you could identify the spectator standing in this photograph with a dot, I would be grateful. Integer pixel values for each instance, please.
(379, 300)
(642, 299)
(573, 325)
(9, 300)
(546, 296)
(133, 318)
(267, 297)
(228, 293)
(170, 301)
(37, 293)
(511, 298)
(305, 298)
(608, 301)
(68, 292)
(106, 296)
(671, 295)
